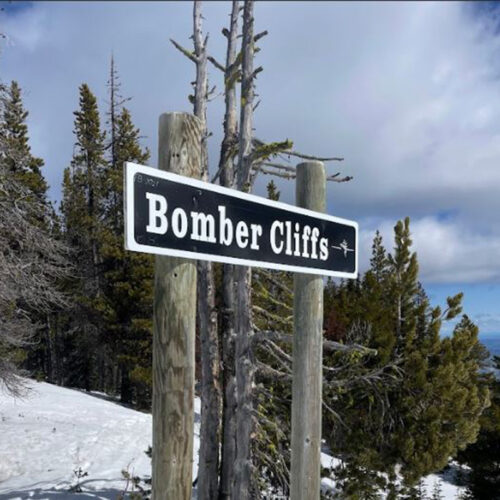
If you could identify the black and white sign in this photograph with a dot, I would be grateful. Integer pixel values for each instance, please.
(169, 214)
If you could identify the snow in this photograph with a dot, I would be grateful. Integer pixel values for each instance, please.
(55, 431)
(449, 490)
(48, 436)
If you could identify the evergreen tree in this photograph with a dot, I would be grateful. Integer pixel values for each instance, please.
(17, 153)
(483, 456)
(83, 188)
(126, 303)
(378, 260)
(109, 347)
(415, 492)
(82, 209)
(376, 301)
(403, 285)
(418, 421)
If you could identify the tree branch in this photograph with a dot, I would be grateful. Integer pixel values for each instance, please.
(334, 178)
(217, 64)
(328, 345)
(311, 157)
(260, 35)
(184, 51)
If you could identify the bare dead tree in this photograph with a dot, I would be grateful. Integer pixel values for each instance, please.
(32, 264)
(208, 470)
(242, 158)
(244, 359)
(229, 148)
(284, 152)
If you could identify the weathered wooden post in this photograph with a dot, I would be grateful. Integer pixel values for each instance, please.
(174, 330)
(307, 352)
(181, 219)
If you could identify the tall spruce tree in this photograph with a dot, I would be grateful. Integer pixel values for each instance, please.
(17, 157)
(127, 277)
(82, 209)
(375, 301)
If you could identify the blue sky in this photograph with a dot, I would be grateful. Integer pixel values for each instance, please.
(408, 93)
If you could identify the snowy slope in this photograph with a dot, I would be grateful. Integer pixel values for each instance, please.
(56, 431)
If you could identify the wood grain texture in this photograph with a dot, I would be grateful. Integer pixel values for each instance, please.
(211, 399)
(307, 353)
(228, 148)
(244, 359)
(174, 327)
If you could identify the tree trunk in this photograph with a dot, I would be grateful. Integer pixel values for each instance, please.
(228, 147)
(51, 354)
(244, 382)
(125, 386)
(208, 470)
(244, 362)
(57, 350)
(228, 447)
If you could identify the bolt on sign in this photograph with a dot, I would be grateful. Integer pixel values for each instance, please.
(168, 214)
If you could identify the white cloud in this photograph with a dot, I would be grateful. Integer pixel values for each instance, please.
(407, 92)
(447, 251)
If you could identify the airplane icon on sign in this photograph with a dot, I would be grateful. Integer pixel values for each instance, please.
(344, 247)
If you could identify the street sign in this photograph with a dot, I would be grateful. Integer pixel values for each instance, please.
(168, 214)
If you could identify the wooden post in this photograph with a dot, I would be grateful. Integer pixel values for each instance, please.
(174, 330)
(307, 353)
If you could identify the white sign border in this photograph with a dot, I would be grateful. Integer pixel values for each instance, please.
(130, 244)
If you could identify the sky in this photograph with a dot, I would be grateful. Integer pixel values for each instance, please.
(407, 93)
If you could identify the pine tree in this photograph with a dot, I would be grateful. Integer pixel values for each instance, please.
(483, 456)
(126, 303)
(419, 420)
(376, 301)
(415, 492)
(403, 284)
(17, 156)
(83, 189)
(378, 260)
(82, 208)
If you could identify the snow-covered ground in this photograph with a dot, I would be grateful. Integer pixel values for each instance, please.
(48, 437)
(449, 491)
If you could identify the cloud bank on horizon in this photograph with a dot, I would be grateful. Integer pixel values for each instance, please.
(408, 93)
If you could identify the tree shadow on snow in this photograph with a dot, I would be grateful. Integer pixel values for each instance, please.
(107, 397)
(53, 494)
(65, 492)
(454, 474)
